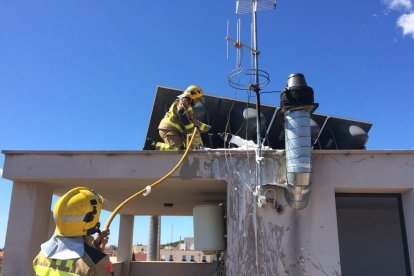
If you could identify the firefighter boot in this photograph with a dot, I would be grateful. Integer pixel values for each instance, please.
(149, 144)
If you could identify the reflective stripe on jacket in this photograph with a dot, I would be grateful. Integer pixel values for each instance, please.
(171, 118)
(180, 116)
(51, 267)
(92, 263)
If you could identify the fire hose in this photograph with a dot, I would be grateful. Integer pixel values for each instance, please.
(148, 188)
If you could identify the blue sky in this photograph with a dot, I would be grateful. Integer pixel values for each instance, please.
(82, 75)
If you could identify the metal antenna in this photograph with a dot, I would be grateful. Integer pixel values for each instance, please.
(260, 77)
(238, 39)
(227, 44)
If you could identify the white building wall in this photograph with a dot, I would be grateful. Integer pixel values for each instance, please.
(27, 228)
(299, 242)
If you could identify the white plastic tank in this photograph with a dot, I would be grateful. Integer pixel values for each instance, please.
(209, 228)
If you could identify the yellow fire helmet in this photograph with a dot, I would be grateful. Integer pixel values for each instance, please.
(194, 92)
(77, 212)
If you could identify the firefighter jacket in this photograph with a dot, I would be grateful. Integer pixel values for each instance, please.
(70, 257)
(180, 117)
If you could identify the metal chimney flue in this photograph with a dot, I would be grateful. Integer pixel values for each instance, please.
(297, 103)
(296, 80)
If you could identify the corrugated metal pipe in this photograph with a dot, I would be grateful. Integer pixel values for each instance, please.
(297, 103)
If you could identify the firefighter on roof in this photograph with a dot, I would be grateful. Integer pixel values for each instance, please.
(72, 250)
(180, 121)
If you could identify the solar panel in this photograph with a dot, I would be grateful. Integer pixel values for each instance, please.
(239, 117)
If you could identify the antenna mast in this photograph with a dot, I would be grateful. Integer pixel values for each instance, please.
(260, 77)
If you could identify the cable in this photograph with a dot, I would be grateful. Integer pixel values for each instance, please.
(270, 92)
(227, 153)
(159, 181)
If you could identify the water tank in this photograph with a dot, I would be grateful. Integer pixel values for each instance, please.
(209, 228)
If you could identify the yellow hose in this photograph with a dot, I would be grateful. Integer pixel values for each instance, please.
(162, 179)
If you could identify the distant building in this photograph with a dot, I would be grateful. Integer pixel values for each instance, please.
(188, 244)
(184, 252)
(139, 249)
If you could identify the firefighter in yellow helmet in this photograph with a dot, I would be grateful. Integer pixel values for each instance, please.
(72, 250)
(179, 121)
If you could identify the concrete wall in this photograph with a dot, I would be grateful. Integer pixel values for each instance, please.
(117, 268)
(27, 227)
(305, 242)
(263, 241)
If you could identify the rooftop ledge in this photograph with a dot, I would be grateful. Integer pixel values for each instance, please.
(217, 151)
(201, 179)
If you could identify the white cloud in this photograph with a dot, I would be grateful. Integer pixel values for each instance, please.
(1, 172)
(399, 4)
(406, 22)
